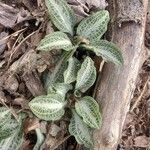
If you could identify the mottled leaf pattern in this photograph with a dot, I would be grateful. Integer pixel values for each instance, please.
(94, 26)
(48, 107)
(14, 141)
(7, 125)
(8, 128)
(59, 88)
(80, 131)
(108, 50)
(5, 115)
(61, 15)
(88, 109)
(57, 74)
(70, 73)
(86, 75)
(55, 40)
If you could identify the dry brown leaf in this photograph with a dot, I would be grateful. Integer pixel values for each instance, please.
(11, 84)
(95, 4)
(30, 124)
(25, 63)
(34, 83)
(10, 16)
(54, 129)
(142, 141)
(22, 102)
(25, 145)
(83, 7)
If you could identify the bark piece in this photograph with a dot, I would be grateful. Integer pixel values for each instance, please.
(116, 85)
(2, 41)
(8, 15)
(11, 84)
(142, 141)
(33, 83)
(26, 63)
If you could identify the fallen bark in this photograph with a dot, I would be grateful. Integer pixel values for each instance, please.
(116, 85)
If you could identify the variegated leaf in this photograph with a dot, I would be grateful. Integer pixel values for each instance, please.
(108, 50)
(86, 75)
(59, 88)
(8, 128)
(48, 107)
(57, 74)
(88, 109)
(61, 15)
(7, 125)
(94, 26)
(56, 40)
(13, 142)
(5, 115)
(70, 73)
(80, 131)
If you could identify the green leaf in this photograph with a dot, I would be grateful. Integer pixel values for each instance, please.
(108, 50)
(48, 107)
(70, 73)
(8, 128)
(14, 141)
(7, 125)
(61, 15)
(5, 115)
(56, 40)
(60, 88)
(86, 75)
(80, 131)
(94, 26)
(40, 139)
(57, 74)
(88, 109)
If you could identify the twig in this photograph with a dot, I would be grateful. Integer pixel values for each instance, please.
(18, 46)
(60, 142)
(140, 96)
(13, 34)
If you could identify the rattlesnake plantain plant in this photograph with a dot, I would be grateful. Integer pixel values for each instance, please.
(11, 135)
(72, 76)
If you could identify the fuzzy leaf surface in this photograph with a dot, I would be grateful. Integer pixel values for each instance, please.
(80, 131)
(88, 109)
(56, 40)
(108, 50)
(94, 26)
(61, 15)
(86, 75)
(70, 73)
(48, 107)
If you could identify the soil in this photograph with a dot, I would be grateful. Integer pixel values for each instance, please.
(23, 23)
